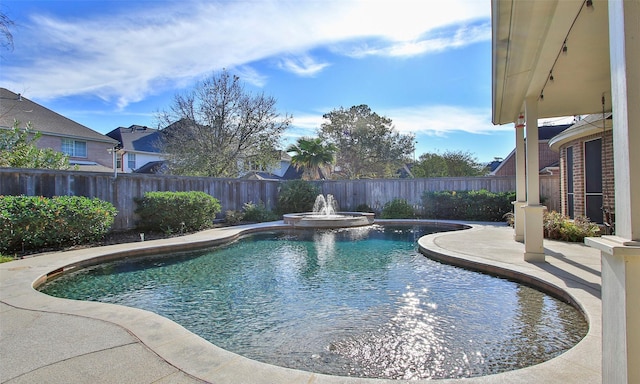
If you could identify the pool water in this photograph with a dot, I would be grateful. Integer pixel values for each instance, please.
(360, 302)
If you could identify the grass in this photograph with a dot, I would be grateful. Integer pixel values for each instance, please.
(5, 259)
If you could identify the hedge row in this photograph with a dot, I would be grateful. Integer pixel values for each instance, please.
(479, 205)
(177, 212)
(30, 223)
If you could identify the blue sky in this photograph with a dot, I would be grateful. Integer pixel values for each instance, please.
(424, 64)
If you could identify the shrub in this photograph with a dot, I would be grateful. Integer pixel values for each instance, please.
(397, 209)
(479, 205)
(30, 223)
(258, 213)
(232, 217)
(296, 196)
(560, 227)
(180, 212)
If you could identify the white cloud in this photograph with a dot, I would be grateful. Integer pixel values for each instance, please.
(307, 122)
(303, 65)
(125, 55)
(249, 75)
(462, 36)
(434, 120)
(440, 120)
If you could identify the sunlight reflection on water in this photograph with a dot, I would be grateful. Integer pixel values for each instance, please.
(360, 302)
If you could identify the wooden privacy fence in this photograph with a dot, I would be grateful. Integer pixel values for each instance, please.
(232, 193)
(123, 189)
(376, 192)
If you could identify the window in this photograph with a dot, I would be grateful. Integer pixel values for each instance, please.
(593, 180)
(74, 148)
(118, 161)
(131, 160)
(570, 181)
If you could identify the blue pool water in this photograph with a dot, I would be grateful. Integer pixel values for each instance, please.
(359, 302)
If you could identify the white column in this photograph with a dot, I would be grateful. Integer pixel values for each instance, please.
(621, 253)
(521, 181)
(533, 230)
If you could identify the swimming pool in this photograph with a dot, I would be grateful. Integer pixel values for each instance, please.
(360, 302)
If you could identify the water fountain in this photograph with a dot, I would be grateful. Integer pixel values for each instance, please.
(325, 215)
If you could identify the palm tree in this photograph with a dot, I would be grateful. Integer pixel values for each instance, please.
(313, 157)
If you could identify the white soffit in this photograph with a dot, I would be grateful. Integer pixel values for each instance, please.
(528, 37)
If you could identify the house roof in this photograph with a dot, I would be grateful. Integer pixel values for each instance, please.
(589, 125)
(137, 138)
(89, 166)
(154, 167)
(546, 132)
(15, 106)
(493, 165)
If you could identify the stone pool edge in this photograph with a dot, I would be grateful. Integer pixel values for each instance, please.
(202, 360)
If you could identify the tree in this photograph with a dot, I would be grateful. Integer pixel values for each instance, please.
(430, 165)
(7, 36)
(313, 157)
(220, 130)
(449, 164)
(367, 144)
(18, 150)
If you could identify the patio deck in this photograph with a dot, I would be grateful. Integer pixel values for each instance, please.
(46, 339)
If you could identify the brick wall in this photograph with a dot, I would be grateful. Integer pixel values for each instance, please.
(579, 175)
(546, 157)
(96, 151)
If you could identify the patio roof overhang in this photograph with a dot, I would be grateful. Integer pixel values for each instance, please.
(529, 60)
(602, 58)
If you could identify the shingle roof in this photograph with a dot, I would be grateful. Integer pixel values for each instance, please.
(546, 132)
(137, 138)
(155, 167)
(15, 106)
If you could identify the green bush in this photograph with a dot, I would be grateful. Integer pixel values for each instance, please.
(258, 213)
(296, 196)
(29, 223)
(232, 217)
(560, 227)
(479, 205)
(176, 212)
(397, 209)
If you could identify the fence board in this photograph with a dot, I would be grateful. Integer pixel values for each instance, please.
(232, 193)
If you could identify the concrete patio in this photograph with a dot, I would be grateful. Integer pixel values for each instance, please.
(46, 339)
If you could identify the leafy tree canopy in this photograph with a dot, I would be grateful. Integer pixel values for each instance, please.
(449, 164)
(313, 156)
(220, 130)
(18, 150)
(367, 144)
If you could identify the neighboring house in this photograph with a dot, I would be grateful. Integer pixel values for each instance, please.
(88, 149)
(547, 157)
(586, 166)
(549, 163)
(138, 150)
(283, 170)
(493, 165)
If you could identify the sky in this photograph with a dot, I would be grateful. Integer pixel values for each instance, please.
(425, 64)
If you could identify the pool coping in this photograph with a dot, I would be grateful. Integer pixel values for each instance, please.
(204, 361)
